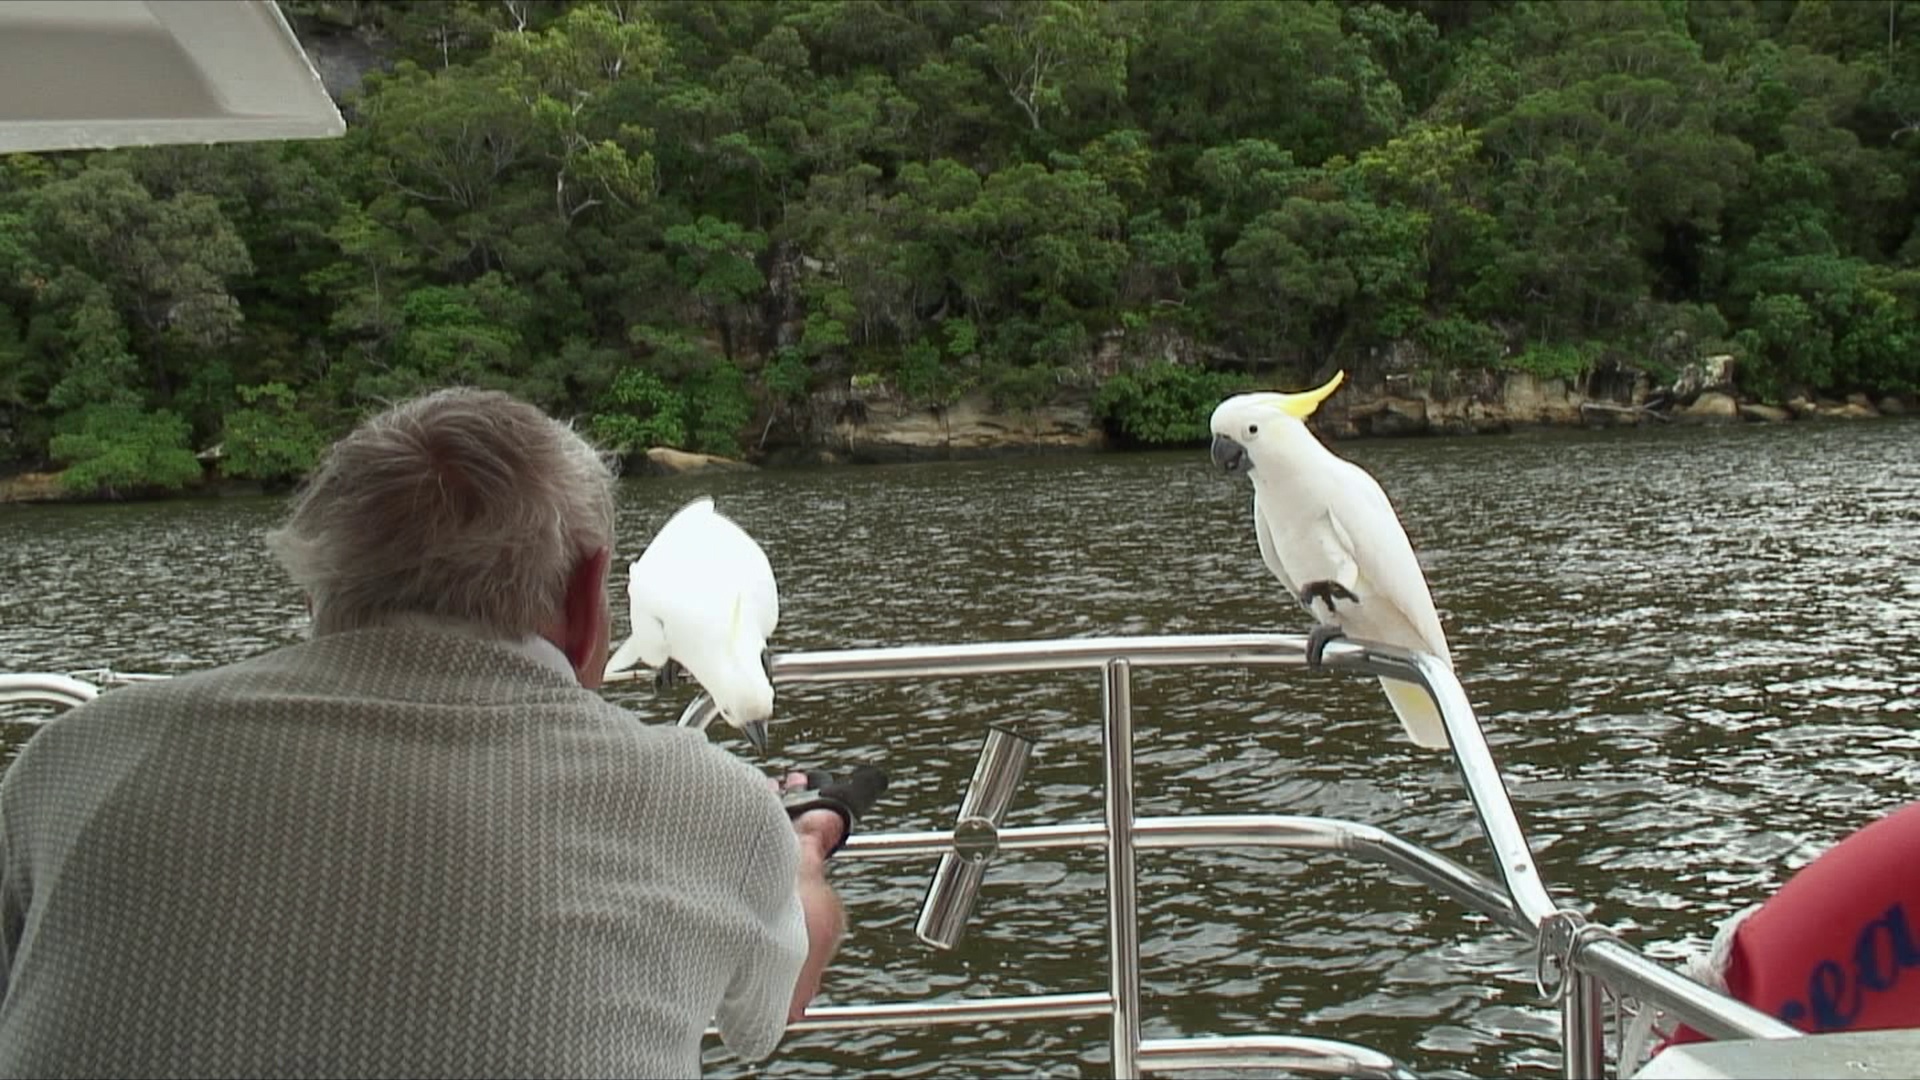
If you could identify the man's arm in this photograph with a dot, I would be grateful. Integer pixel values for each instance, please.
(819, 832)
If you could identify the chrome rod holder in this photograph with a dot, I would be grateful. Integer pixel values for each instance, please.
(976, 836)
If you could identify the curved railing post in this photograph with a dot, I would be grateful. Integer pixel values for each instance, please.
(1123, 911)
(41, 688)
(1486, 789)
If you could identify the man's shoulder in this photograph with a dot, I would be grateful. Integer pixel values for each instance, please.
(130, 716)
(396, 665)
(143, 697)
(714, 790)
(687, 755)
(138, 706)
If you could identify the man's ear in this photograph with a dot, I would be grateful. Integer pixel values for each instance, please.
(588, 623)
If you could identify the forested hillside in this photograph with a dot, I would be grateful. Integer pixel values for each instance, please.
(676, 220)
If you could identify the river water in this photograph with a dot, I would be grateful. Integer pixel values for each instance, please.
(1696, 653)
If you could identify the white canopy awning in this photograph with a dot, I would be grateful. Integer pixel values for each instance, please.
(92, 74)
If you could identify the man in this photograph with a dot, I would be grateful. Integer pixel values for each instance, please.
(418, 844)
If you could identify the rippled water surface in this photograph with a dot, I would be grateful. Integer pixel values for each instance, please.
(1696, 653)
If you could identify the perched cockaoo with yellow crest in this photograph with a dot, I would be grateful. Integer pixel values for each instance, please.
(1327, 531)
(703, 596)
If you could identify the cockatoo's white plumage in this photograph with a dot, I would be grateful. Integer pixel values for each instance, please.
(1321, 519)
(703, 594)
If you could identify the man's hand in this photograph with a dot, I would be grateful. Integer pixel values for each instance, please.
(819, 832)
(848, 795)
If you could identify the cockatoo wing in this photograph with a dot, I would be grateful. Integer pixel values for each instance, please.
(1303, 551)
(646, 644)
(1395, 606)
(759, 593)
(1268, 553)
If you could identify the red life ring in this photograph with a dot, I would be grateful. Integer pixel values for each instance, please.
(1838, 947)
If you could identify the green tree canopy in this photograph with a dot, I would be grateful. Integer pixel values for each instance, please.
(679, 220)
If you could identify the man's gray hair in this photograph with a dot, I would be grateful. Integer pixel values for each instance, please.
(463, 503)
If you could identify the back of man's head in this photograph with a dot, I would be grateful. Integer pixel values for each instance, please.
(463, 503)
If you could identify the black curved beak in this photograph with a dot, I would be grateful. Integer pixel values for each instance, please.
(756, 732)
(1230, 456)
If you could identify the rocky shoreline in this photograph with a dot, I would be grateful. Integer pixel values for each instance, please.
(875, 426)
(1518, 401)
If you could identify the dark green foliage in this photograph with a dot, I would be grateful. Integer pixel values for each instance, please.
(679, 220)
(1554, 360)
(924, 377)
(720, 409)
(120, 449)
(1020, 389)
(638, 411)
(1163, 404)
(1460, 343)
(787, 376)
(270, 438)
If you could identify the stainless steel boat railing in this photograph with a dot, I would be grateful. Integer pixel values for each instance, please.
(39, 688)
(1578, 964)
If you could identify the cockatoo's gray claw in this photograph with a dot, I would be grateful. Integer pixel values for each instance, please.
(766, 663)
(668, 675)
(1317, 641)
(1326, 592)
(756, 732)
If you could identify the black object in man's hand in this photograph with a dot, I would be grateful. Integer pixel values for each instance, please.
(850, 796)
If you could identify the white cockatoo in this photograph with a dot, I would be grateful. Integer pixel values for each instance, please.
(1327, 531)
(702, 595)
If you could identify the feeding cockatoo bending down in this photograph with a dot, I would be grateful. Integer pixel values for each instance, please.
(703, 595)
(1327, 531)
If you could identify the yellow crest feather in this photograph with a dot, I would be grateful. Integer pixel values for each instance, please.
(1301, 405)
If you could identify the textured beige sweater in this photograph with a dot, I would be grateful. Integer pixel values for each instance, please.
(389, 852)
